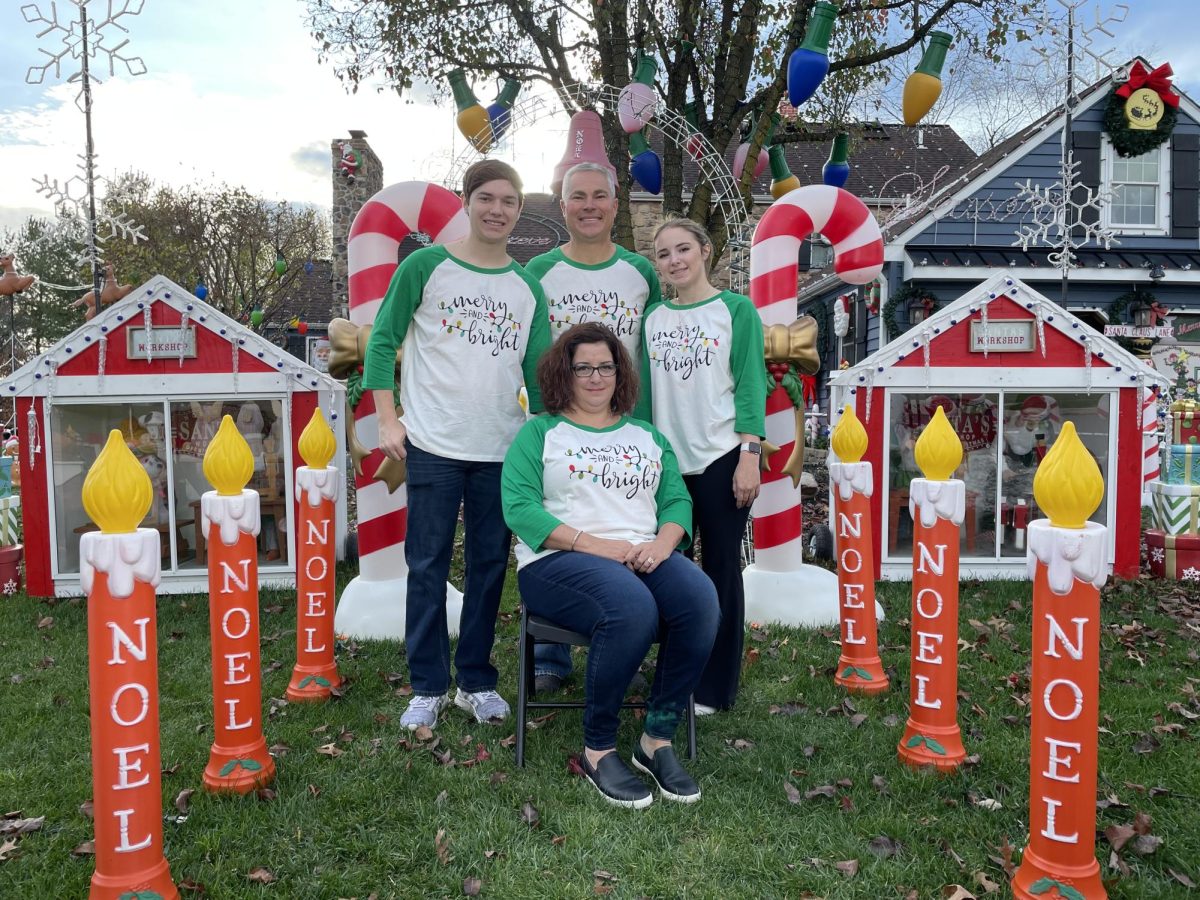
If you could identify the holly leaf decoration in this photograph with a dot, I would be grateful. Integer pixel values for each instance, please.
(1046, 885)
(323, 682)
(305, 682)
(228, 768)
(140, 895)
(915, 741)
(250, 765)
(938, 749)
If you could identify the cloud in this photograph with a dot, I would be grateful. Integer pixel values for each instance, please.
(314, 159)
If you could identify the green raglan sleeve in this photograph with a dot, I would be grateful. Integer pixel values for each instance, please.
(537, 342)
(646, 268)
(749, 367)
(395, 315)
(672, 497)
(540, 265)
(644, 408)
(521, 492)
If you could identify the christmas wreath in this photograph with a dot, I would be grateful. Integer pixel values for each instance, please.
(900, 300)
(1145, 97)
(1118, 309)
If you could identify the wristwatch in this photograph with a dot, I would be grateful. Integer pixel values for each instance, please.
(751, 447)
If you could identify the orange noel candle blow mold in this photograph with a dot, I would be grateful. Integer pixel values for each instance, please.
(1067, 557)
(315, 674)
(859, 668)
(119, 569)
(937, 504)
(238, 760)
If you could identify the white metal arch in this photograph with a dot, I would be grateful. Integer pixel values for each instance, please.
(674, 128)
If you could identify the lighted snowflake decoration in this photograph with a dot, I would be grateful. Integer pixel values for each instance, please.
(1077, 39)
(1066, 215)
(1157, 554)
(1191, 573)
(102, 43)
(70, 199)
(10, 587)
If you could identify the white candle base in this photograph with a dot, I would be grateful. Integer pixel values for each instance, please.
(807, 597)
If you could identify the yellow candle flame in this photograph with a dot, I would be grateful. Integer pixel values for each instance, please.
(938, 450)
(317, 443)
(228, 462)
(849, 438)
(1068, 485)
(117, 492)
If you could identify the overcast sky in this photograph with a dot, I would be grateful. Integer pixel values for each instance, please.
(234, 93)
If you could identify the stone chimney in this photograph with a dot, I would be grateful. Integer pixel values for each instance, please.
(348, 199)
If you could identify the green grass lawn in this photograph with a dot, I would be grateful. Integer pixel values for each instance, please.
(386, 817)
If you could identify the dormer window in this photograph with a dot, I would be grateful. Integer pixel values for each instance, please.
(1140, 203)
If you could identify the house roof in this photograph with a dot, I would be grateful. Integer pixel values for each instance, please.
(32, 378)
(1114, 366)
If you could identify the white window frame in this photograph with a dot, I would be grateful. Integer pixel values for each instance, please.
(1162, 224)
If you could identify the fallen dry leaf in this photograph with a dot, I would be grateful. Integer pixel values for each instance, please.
(793, 794)
(848, 867)
(472, 887)
(530, 815)
(1178, 876)
(193, 887)
(331, 750)
(1145, 844)
(989, 886)
(260, 875)
(822, 790)
(182, 799)
(423, 734)
(87, 848)
(265, 795)
(558, 840)
(441, 843)
(957, 892)
(1118, 835)
(87, 809)
(884, 847)
(16, 825)
(46, 622)
(6, 849)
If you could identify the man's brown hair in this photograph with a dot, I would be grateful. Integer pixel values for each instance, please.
(557, 380)
(486, 170)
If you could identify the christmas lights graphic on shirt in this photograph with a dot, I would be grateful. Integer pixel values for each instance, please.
(482, 321)
(683, 348)
(616, 467)
(597, 305)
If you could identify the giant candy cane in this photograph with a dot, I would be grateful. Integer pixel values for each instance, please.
(373, 603)
(846, 223)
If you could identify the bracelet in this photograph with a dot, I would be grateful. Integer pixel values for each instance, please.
(576, 538)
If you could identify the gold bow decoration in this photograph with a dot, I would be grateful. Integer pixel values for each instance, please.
(796, 345)
(1185, 406)
(347, 352)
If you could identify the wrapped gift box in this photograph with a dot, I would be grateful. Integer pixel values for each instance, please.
(1185, 422)
(1173, 556)
(1176, 507)
(1183, 464)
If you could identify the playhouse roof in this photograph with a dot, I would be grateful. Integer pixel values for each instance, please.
(1006, 297)
(264, 364)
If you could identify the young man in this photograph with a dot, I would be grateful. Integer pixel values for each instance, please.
(472, 324)
(590, 279)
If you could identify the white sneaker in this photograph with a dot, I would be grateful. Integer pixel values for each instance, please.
(486, 706)
(702, 710)
(423, 711)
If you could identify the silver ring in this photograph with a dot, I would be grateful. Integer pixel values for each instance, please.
(649, 559)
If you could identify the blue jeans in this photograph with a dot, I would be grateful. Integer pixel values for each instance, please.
(552, 659)
(624, 612)
(436, 487)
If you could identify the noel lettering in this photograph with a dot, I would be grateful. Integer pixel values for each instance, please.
(605, 307)
(482, 321)
(683, 349)
(615, 467)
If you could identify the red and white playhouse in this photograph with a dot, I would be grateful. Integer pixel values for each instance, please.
(1008, 366)
(162, 367)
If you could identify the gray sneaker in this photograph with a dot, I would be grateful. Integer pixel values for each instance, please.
(423, 711)
(486, 706)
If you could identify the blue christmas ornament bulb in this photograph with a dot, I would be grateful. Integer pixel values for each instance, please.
(809, 63)
(644, 165)
(201, 290)
(836, 171)
(499, 110)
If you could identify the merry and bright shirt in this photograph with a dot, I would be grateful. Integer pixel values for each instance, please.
(620, 483)
(614, 293)
(471, 337)
(708, 383)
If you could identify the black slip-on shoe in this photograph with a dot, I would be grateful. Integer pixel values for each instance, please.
(674, 783)
(548, 683)
(616, 784)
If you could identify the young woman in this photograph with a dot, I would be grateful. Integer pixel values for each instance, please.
(702, 356)
(599, 508)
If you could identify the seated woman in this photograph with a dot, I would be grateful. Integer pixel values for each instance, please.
(599, 507)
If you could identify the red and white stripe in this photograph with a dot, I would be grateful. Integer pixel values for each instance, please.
(380, 226)
(1150, 459)
(843, 220)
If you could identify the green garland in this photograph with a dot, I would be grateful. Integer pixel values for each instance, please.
(1132, 141)
(908, 292)
(354, 389)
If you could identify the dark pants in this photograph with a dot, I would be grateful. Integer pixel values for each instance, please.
(436, 488)
(552, 659)
(720, 526)
(624, 612)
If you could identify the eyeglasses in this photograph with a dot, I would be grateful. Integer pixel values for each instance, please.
(606, 370)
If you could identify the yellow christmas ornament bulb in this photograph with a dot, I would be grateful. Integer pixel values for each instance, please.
(228, 462)
(317, 443)
(938, 450)
(117, 492)
(849, 439)
(1068, 486)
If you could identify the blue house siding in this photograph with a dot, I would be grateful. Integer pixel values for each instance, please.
(1041, 167)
